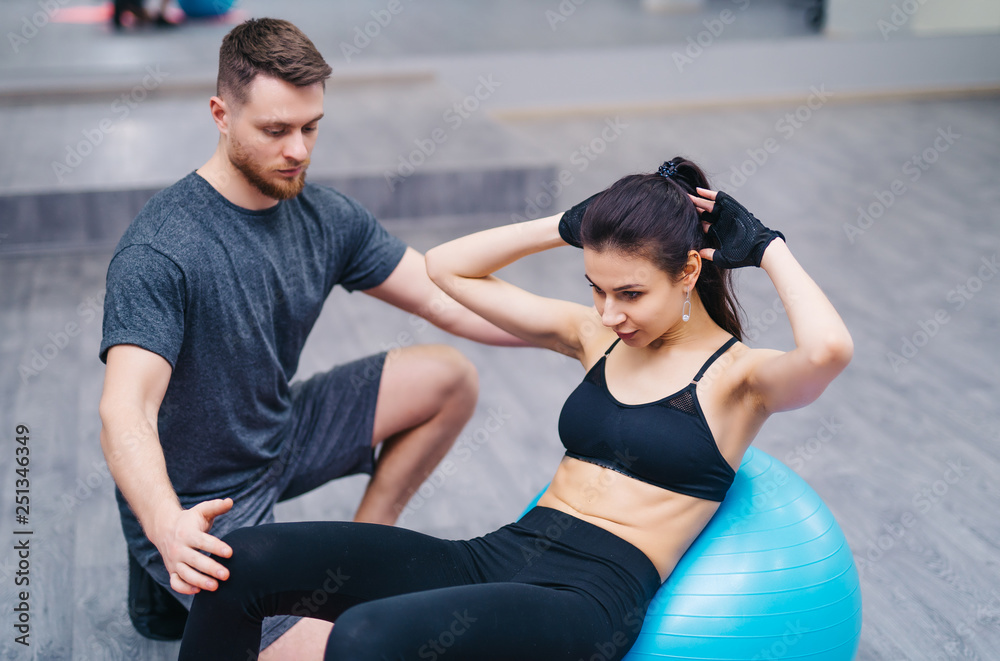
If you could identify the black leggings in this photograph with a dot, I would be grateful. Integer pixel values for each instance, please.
(548, 587)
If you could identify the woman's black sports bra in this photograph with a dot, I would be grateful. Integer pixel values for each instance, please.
(666, 443)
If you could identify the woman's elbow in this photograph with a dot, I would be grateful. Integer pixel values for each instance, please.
(834, 353)
(439, 271)
(433, 264)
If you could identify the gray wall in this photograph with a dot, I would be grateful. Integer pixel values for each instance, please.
(888, 18)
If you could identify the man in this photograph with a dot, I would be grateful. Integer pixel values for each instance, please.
(211, 294)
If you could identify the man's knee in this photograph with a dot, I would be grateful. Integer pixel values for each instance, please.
(459, 376)
(425, 383)
(439, 372)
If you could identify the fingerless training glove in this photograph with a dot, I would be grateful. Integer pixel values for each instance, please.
(742, 238)
(569, 224)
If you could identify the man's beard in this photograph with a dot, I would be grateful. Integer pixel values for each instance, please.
(278, 189)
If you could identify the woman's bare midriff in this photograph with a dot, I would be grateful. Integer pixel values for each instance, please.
(660, 523)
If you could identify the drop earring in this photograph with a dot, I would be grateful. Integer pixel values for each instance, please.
(686, 308)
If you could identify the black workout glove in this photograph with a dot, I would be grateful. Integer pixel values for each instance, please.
(742, 238)
(569, 224)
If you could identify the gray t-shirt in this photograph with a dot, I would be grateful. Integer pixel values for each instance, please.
(228, 296)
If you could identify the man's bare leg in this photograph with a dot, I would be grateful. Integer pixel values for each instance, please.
(306, 640)
(426, 395)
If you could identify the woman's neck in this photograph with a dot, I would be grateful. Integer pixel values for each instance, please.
(698, 328)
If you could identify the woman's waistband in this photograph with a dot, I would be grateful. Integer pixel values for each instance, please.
(558, 526)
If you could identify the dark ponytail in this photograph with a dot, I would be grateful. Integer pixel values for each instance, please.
(650, 215)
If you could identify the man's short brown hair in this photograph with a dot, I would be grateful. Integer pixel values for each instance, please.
(268, 46)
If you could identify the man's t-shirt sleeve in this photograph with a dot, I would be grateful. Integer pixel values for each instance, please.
(144, 303)
(372, 253)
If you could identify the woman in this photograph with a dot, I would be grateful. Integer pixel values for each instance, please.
(654, 435)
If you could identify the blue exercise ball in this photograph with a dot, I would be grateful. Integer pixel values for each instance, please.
(771, 576)
(202, 8)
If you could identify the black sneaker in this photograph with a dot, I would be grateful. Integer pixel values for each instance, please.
(154, 611)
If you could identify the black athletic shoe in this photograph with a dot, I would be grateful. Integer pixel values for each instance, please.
(154, 611)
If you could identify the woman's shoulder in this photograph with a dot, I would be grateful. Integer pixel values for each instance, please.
(731, 376)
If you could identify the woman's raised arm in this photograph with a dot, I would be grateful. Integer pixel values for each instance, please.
(823, 345)
(463, 269)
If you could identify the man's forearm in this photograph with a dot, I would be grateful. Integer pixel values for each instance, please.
(135, 458)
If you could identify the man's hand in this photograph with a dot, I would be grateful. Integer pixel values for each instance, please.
(180, 540)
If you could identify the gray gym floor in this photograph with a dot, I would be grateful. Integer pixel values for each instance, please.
(903, 447)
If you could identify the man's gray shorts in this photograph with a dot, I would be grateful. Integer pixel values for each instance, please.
(329, 436)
